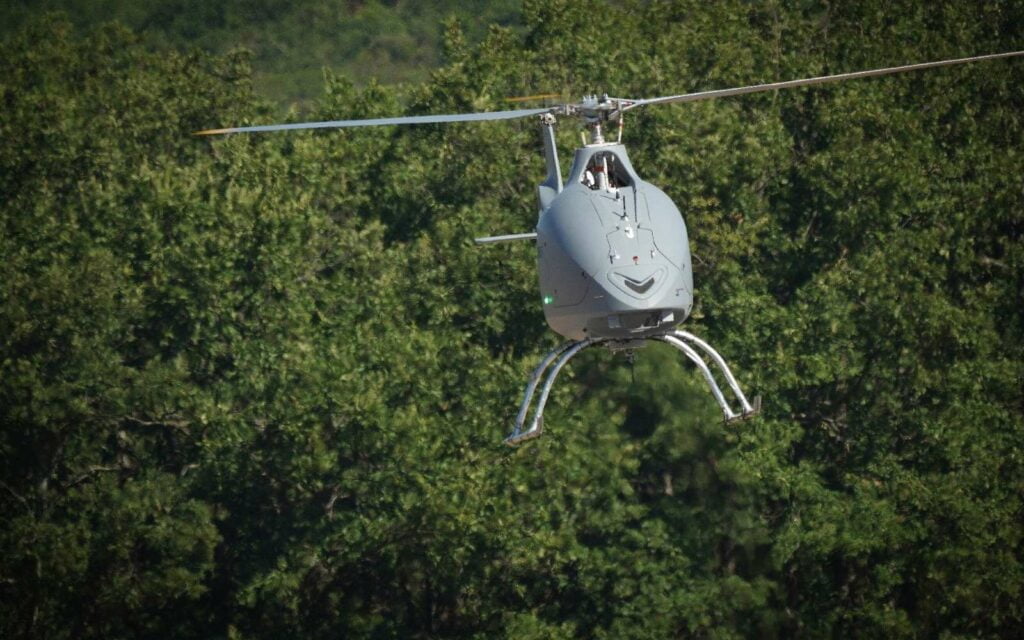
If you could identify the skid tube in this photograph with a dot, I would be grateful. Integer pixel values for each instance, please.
(690, 345)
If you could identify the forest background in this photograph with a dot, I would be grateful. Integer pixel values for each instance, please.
(256, 386)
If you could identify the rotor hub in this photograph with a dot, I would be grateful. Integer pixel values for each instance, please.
(596, 111)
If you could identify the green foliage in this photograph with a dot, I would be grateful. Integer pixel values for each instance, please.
(292, 42)
(256, 386)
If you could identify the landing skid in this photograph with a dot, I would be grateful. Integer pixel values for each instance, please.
(691, 346)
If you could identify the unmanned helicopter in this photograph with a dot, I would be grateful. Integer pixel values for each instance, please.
(613, 257)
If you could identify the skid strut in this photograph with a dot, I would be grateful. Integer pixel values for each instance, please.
(685, 342)
(689, 344)
(563, 353)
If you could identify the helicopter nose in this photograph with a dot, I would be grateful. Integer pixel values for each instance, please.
(638, 281)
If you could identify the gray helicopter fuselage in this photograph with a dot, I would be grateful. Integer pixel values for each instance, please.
(613, 255)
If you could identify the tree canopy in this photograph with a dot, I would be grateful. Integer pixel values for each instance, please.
(290, 42)
(256, 386)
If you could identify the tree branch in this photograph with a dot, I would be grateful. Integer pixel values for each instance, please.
(20, 498)
(174, 423)
(88, 475)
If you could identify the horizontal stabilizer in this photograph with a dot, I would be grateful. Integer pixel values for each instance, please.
(508, 238)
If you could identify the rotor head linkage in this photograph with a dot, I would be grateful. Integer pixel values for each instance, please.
(595, 111)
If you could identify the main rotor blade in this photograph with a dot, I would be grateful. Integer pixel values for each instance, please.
(722, 93)
(373, 122)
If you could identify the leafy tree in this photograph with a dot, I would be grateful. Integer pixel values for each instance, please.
(256, 386)
(292, 42)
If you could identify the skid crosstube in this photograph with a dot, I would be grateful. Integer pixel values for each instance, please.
(690, 345)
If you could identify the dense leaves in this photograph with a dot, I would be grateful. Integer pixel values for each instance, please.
(256, 386)
(292, 41)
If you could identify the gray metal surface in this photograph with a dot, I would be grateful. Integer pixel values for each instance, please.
(613, 257)
(552, 185)
(506, 238)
